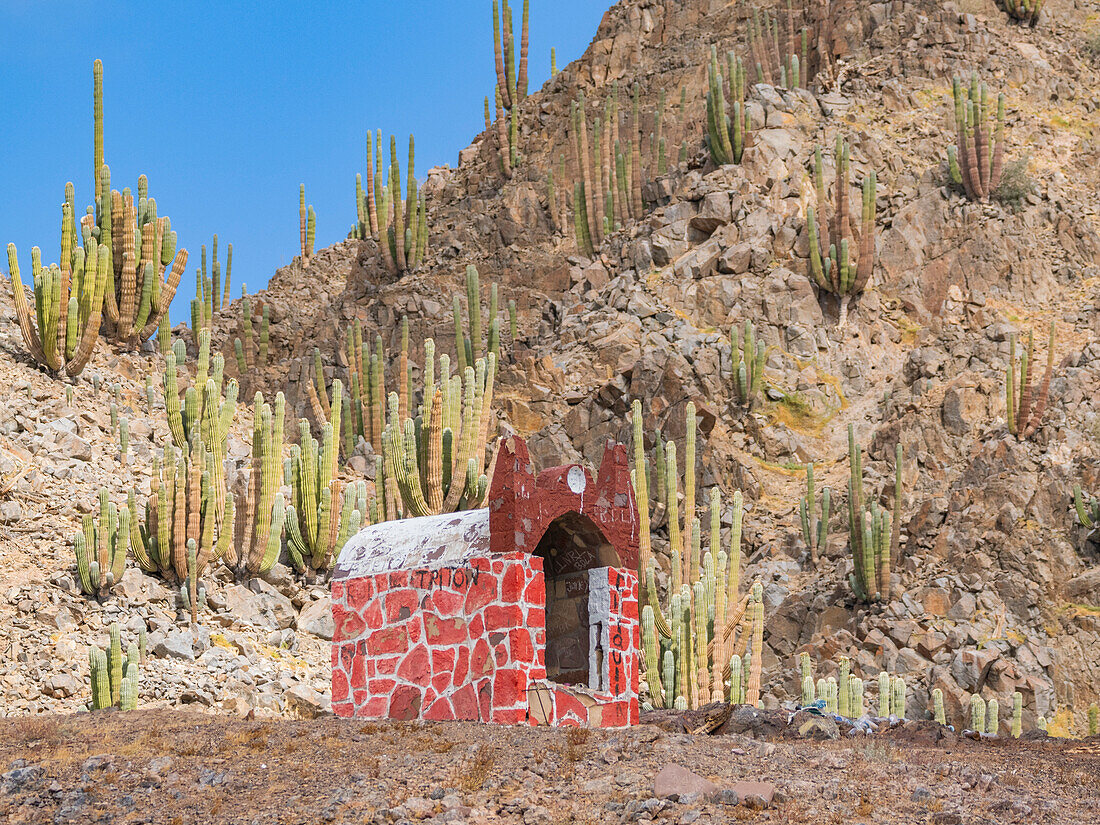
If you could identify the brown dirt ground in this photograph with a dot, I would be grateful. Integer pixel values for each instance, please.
(174, 767)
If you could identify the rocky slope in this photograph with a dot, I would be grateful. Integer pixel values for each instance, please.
(997, 589)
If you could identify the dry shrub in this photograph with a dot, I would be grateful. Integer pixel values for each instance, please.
(471, 774)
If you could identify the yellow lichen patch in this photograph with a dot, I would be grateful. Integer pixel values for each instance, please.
(218, 640)
(1061, 725)
(793, 411)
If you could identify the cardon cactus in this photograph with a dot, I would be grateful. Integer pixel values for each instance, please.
(874, 535)
(843, 701)
(189, 516)
(259, 522)
(100, 548)
(706, 626)
(992, 716)
(727, 125)
(1088, 508)
(748, 363)
(885, 694)
(62, 329)
(251, 353)
(1025, 11)
(975, 164)
(442, 470)
(782, 60)
(1094, 719)
(303, 224)
(113, 677)
(511, 86)
(322, 514)
(977, 713)
(399, 223)
(1025, 415)
(815, 530)
(937, 706)
(1018, 714)
(897, 697)
(144, 267)
(833, 243)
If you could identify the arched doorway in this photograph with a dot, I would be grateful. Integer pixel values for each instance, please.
(576, 626)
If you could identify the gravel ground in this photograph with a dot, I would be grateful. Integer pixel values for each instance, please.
(173, 767)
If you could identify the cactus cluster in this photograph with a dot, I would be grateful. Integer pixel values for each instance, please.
(188, 521)
(841, 694)
(747, 354)
(321, 514)
(782, 61)
(1025, 11)
(210, 293)
(435, 463)
(365, 407)
(399, 225)
(144, 265)
(691, 654)
(1025, 415)
(114, 677)
(973, 163)
(607, 172)
(726, 134)
(307, 226)
(100, 548)
(189, 513)
(873, 533)
(251, 354)
(815, 529)
(258, 525)
(62, 328)
(511, 85)
(832, 242)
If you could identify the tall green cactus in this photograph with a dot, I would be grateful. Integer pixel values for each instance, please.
(1025, 414)
(1088, 508)
(815, 531)
(726, 133)
(114, 678)
(251, 354)
(694, 636)
(1025, 11)
(62, 330)
(1094, 719)
(400, 225)
(322, 514)
(977, 713)
(971, 161)
(748, 364)
(832, 243)
(100, 548)
(436, 463)
(259, 526)
(873, 534)
(511, 86)
(784, 61)
(937, 706)
(1017, 714)
(303, 224)
(189, 514)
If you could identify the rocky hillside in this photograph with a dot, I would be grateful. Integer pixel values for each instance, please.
(997, 589)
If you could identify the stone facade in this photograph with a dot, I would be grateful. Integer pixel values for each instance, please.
(524, 612)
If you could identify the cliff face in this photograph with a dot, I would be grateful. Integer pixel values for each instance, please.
(995, 589)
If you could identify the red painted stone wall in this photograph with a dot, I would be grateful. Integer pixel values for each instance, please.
(468, 640)
(468, 643)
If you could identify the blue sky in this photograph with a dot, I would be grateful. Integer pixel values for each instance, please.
(228, 106)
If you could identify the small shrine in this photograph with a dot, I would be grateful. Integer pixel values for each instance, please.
(522, 612)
